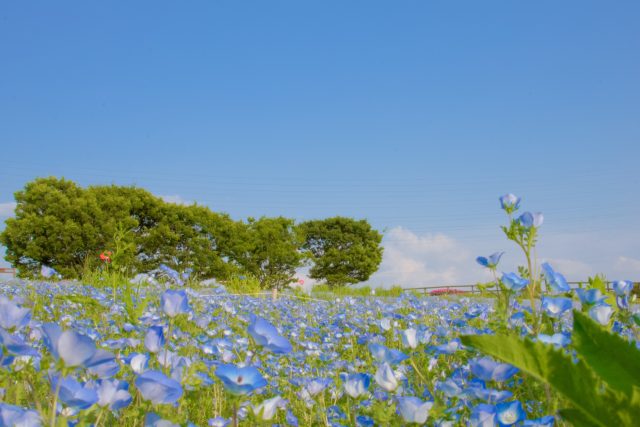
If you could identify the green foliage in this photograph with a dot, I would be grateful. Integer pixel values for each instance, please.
(343, 250)
(603, 387)
(267, 249)
(242, 285)
(364, 291)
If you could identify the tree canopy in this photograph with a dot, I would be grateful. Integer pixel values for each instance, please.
(62, 225)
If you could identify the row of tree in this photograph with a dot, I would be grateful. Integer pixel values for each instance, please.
(62, 225)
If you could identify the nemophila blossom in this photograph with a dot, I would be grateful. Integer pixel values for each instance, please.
(154, 339)
(510, 202)
(622, 301)
(548, 421)
(386, 378)
(413, 409)
(557, 340)
(483, 415)
(590, 296)
(73, 348)
(510, 413)
(491, 261)
(385, 324)
(556, 280)
(113, 394)
(513, 282)
(102, 364)
(47, 272)
(73, 393)
(488, 370)
(267, 336)
(16, 345)
(409, 338)
(138, 362)
(317, 385)
(174, 302)
(268, 408)
(622, 287)
(240, 381)
(488, 394)
(355, 385)
(556, 307)
(601, 313)
(450, 347)
(219, 422)
(158, 388)
(11, 415)
(531, 220)
(154, 420)
(171, 274)
(12, 316)
(382, 353)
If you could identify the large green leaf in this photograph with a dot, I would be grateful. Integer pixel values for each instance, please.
(575, 381)
(614, 359)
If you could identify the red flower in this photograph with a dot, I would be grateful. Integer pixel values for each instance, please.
(106, 256)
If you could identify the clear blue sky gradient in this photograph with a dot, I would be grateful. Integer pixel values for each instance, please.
(416, 113)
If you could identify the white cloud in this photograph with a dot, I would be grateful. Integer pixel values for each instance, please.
(7, 209)
(412, 260)
(628, 268)
(176, 199)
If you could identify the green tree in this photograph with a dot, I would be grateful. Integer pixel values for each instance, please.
(342, 250)
(53, 225)
(268, 249)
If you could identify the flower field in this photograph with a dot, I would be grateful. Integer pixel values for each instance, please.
(528, 351)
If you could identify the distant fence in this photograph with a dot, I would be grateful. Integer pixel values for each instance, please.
(472, 289)
(8, 270)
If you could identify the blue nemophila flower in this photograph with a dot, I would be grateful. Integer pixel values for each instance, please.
(113, 394)
(16, 345)
(622, 301)
(154, 339)
(317, 385)
(12, 315)
(487, 370)
(72, 393)
(491, 261)
(531, 220)
(386, 378)
(555, 280)
(513, 282)
(240, 381)
(622, 287)
(356, 385)
(266, 335)
(103, 364)
(409, 338)
(155, 420)
(219, 422)
(138, 362)
(556, 307)
(548, 421)
(590, 296)
(601, 313)
(11, 415)
(510, 413)
(158, 388)
(413, 409)
(171, 274)
(174, 302)
(73, 348)
(364, 421)
(558, 340)
(483, 415)
(267, 409)
(382, 353)
(47, 272)
(510, 202)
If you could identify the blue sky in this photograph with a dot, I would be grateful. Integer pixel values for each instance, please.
(416, 115)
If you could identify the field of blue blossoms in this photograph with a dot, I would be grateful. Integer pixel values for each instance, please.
(160, 354)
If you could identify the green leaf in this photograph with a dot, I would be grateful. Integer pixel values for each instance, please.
(613, 358)
(576, 418)
(575, 381)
